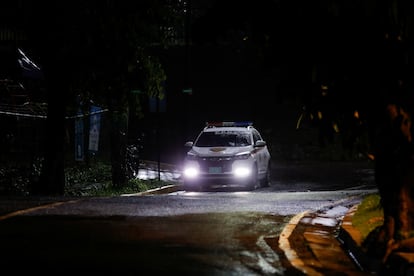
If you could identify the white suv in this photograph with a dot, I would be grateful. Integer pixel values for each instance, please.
(227, 154)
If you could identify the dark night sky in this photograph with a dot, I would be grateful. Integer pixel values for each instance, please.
(300, 42)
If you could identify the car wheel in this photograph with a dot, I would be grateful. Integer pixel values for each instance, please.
(267, 179)
(187, 187)
(254, 181)
(191, 187)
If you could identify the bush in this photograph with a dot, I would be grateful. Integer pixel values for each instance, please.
(95, 180)
(369, 215)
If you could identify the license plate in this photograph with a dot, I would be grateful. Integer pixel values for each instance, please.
(214, 170)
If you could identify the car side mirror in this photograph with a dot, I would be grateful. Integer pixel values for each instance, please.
(188, 144)
(260, 143)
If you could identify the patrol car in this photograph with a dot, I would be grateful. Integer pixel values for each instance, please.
(227, 154)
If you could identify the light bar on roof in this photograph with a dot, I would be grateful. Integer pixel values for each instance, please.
(229, 124)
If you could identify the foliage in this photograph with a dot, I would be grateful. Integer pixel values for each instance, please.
(17, 177)
(369, 215)
(13, 182)
(154, 75)
(90, 57)
(97, 172)
(81, 180)
(95, 180)
(105, 41)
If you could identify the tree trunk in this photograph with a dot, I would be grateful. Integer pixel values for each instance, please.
(119, 139)
(52, 178)
(395, 179)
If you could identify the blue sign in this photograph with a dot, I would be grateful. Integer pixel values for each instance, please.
(94, 128)
(79, 144)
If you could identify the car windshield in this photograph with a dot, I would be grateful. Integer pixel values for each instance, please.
(223, 139)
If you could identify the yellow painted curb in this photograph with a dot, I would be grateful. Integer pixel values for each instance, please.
(289, 251)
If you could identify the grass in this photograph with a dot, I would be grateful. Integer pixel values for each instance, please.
(368, 216)
(95, 180)
(133, 186)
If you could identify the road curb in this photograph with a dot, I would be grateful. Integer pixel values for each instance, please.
(161, 190)
(351, 239)
(289, 251)
(398, 263)
(312, 243)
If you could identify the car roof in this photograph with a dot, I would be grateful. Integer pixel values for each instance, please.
(241, 126)
(237, 129)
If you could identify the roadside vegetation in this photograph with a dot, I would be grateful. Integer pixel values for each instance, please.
(81, 180)
(95, 180)
(369, 215)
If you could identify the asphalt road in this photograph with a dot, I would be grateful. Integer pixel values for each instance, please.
(190, 233)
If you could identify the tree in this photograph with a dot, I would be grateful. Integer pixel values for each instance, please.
(394, 168)
(95, 44)
(394, 150)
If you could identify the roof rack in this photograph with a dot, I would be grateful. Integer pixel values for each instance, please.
(229, 124)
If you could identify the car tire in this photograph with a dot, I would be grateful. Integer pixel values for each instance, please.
(190, 187)
(254, 182)
(267, 179)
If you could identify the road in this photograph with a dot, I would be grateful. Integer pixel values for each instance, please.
(202, 233)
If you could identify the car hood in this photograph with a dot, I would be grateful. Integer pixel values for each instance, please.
(219, 151)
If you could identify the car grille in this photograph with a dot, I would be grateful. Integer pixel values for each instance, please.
(223, 162)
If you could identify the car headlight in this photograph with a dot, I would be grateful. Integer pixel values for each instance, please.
(191, 172)
(191, 169)
(242, 171)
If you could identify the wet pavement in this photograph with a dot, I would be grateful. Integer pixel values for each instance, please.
(315, 243)
(312, 243)
(307, 244)
(326, 243)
